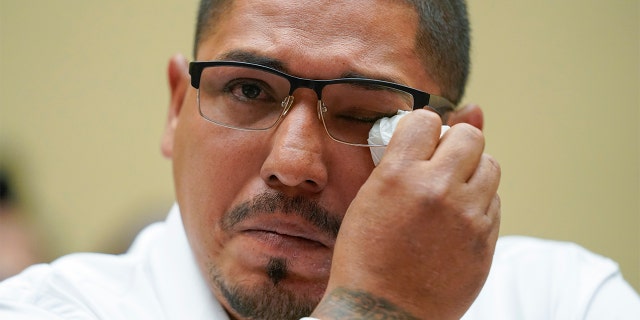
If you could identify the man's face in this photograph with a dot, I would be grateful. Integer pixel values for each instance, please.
(261, 208)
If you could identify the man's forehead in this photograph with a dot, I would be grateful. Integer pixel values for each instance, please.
(320, 21)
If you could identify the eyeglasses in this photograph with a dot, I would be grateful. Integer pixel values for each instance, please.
(249, 96)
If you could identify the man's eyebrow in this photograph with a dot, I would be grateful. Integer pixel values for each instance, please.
(353, 74)
(251, 57)
(247, 56)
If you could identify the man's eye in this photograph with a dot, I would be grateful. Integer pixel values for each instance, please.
(250, 90)
(361, 118)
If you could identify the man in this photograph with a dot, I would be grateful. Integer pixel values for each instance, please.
(281, 213)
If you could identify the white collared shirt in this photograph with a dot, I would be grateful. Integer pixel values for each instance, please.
(158, 279)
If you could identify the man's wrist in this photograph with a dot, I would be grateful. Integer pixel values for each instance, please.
(343, 303)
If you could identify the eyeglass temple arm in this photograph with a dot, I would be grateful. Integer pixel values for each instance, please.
(441, 106)
(195, 70)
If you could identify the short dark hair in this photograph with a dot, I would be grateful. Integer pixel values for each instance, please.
(208, 12)
(443, 40)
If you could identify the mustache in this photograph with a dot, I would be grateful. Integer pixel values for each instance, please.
(272, 202)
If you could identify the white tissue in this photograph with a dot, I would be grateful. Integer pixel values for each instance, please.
(382, 131)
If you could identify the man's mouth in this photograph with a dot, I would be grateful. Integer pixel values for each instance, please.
(283, 220)
(285, 231)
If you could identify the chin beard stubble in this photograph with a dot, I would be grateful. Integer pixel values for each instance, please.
(269, 300)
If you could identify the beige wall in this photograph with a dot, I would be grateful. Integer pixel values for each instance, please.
(83, 100)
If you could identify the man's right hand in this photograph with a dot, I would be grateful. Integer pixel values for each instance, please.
(418, 239)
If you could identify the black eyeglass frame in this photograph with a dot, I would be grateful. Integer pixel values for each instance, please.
(421, 99)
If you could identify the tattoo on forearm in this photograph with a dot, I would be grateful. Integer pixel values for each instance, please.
(348, 304)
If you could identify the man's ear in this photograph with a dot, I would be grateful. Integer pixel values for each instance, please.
(178, 73)
(470, 113)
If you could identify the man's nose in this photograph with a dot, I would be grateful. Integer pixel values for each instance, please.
(295, 162)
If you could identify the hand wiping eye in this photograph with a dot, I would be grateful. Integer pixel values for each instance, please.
(381, 132)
